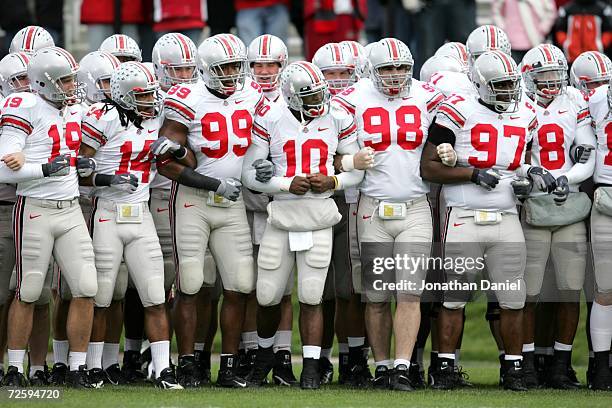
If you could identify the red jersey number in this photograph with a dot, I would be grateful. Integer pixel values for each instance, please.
(215, 129)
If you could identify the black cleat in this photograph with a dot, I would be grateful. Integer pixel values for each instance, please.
(58, 374)
(416, 376)
(382, 378)
(310, 379)
(542, 362)
(187, 373)
(326, 368)
(114, 375)
(13, 378)
(227, 379)
(39, 379)
(246, 361)
(360, 375)
(558, 377)
(461, 377)
(264, 362)
(571, 374)
(513, 376)
(283, 370)
(78, 378)
(96, 377)
(400, 380)
(167, 380)
(202, 360)
(601, 379)
(132, 367)
(344, 369)
(444, 377)
(530, 375)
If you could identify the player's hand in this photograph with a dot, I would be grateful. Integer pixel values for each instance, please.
(542, 179)
(85, 166)
(14, 161)
(320, 183)
(447, 154)
(487, 179)
(562, 190)
(164, 145)
(60, 166)
(581, 153)
(364, 159)
(229, 188)
(264, 170)
(299, 185)
(522, 187)
(125, 182)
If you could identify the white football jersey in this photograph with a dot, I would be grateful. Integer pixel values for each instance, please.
(449, 83)
(219, 129)
(485, 139)
(396, 128)
(601, 115)
(556, 132)
(298, 150)
(121, 150)
(159, 181)
(32, 125)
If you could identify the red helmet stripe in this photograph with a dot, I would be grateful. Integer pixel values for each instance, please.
(311, 72)
(600, 63)
(547, 53)
(29, 38)
(265, 45)
(506, 61)
(68, 56)
(24, 57)
(226, 45)
(462, 51)
(121, 41)
(493, 37)
(150, 77)
(336, 53)
(184, 46)
(113, 60)
(394, 49)
(355, 49)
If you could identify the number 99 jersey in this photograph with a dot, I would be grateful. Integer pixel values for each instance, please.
(396, 128)
(121, 150)
(485, 139)
(219, 129)
(32, 125)
(601, 113)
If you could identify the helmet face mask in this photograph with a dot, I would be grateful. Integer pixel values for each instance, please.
(68, 90)
(266, 74)
(506, 94)
(497, 80)
(338, 66)
(147, 103)
(103, 86)
(315, 102)
(544, 71)
(339, 78)
(394, 80)
(267, 57)
(228, 77)
(181, 73)
(19, 82)
(549, 84)
(135, 88)
(305, 90)
(590, 70)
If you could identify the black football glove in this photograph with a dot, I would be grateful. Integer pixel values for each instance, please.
(542, 179)
(562, 190)
(486, 178)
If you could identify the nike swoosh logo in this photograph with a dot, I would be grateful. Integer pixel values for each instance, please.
(237, 102)
(240, 383)
(73, 113)
(152, 131)
(35, 216)
(458, 224)
(561, 112)
(161, 210)
(188, 205)
(365, 217)
(514, 117)
(103, 219)
(354, 212)
(322, 129)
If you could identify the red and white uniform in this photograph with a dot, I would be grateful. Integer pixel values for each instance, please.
(450, 83)
(219, 130)
(485, 139)
(397, 130)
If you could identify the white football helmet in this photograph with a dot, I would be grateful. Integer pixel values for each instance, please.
(487, 38)
(454, 49)
(130, 80)
(216, 53)
(30, 39)
(544, 70)
(497, 80)
(590, 70)
(96, 67)
(391, 52)
(332, 56)
(122, 46)
(14, 73)
(305, 89)
(48, 69)
(171, 52)
(359, 56)
(437, 64)
(267, 48)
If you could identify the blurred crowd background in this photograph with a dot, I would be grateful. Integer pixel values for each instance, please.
(424, 25)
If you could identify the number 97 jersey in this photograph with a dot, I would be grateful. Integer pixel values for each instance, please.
(219, 129)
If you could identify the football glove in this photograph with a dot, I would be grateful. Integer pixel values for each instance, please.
(229, 188)
(487, 179)
(542, 179)
(580, 153)
(561, 191)
(264, 170)
(125, 182)
(60, 166)
(447, 154)
(85, 166)
(522, 187)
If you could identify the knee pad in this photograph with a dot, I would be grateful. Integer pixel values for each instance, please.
(154, 289)
(270, 254)
(190, 276)
(310, 289)
(570, 266)
(512, 300)
(30, 287)
(268, 292)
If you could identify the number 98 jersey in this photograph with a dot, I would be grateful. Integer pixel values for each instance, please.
(42, 132)
(219, 129)
(121, 150)
(396, 128)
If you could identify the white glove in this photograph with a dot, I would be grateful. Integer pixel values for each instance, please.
(447, 154)
(164, 145)
(362, 160)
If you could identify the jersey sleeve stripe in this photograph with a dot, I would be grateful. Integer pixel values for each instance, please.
(92, 133)
(17, 123)
(346, 105)
(452, 114)
(582, 115)
(347, 132)
(533, 124)
(179, 108)
(261, 132)
(434, 102)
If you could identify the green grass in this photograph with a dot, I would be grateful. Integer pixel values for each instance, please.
(486, 394)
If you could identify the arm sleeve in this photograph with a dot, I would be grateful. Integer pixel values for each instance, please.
(276, 184)
(349, 178)
(581, 171)
(94, 132)
(439, 134)
(12, 141)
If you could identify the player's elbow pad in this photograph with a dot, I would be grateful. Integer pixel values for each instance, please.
(190, 178)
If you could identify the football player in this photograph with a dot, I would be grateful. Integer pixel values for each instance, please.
(563, 130)
(590, 70)
(47, 217)
(301, 140)
(481, 203)
(267, 56)
(214, 117)
(393, 112)
(456, 50)
(122, 46)
(119, 135)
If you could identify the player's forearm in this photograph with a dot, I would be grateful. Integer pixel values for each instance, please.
(349, 179)
(436, 172)
(29, 171)
(274, 186)
(189, 160)
(581, 171)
